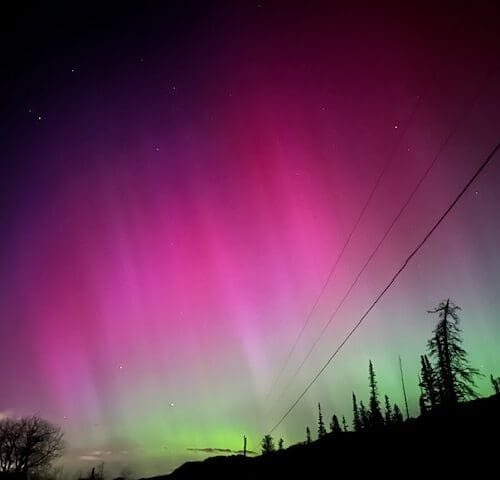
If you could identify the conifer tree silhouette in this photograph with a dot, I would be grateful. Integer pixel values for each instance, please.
(421, 399)
(364, 415)
(335, 425)
(267, 445)
(280, 444)
(356, 421)
(388, 411)
(321, 424)
(454, 373)
(495, 382)
(375, 415)
(308, 435)
(422, 404)
(344, 424)
(397, 416)
(428, 384)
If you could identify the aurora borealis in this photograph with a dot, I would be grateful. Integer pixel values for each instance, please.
(177, 182)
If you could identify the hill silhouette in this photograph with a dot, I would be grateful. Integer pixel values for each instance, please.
(445, 442)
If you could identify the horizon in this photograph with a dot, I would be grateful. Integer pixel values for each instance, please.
(180, 181)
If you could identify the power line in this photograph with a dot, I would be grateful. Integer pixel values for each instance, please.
(404, 388)
(389, 229)
(391, 282)
(344, 247)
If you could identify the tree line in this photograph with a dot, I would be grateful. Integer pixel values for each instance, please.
(446, 378)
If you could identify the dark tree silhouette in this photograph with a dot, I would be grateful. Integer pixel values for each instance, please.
(455, 375)
(388, 411)
(365, 416)
(321, 424)
(428, 383)
(335, 425)
(28, 445)
(344, 424)
(280, 444)
(375, 415)
(495, 382)
(356, 420)
(421, 403)
(308, 435)
(98, 473)
(267, 445)
(397, 416)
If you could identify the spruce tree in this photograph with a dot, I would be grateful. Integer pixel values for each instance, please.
(397, 416)
(356, 419)
(365, 417)
(428, 383)
(280, 444)
(335, 425)
(321, 424)
(308, 435)
(344, 424)
(267, 445)
(422, 404)
(388, 411)
(375, 415)
(454, 373)
(495, 382)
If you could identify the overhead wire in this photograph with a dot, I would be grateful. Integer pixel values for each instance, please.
(339, 257)
(444, 144)
(391, 282)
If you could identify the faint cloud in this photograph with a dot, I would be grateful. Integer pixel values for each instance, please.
(89, 458)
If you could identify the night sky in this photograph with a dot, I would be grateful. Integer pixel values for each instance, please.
(177, 180)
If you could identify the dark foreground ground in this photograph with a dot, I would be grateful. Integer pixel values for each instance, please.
(464, 443)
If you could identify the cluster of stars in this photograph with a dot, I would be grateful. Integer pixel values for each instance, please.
(38, 116)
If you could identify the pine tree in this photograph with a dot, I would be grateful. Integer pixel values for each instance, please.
(335, 425)
(344, 424)
(267, 445)
(388, 411)
(308, 435)
(375, 415)
(428, 383)
(422, 404)
(280, 444)
(365, 417)
(321, 424)
(356, 420)
(495, 382)
(397, 416)
(454, 374)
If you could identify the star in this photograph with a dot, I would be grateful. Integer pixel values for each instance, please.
(396, 126)
(171, 404)
(39, 117)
